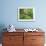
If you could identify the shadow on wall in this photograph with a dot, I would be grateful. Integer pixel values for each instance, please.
(2, 26)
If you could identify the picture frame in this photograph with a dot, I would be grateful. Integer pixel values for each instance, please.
(26, 14)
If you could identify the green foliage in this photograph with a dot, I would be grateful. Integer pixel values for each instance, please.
(26, 13)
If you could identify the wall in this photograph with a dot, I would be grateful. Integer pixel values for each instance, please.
(9, 13)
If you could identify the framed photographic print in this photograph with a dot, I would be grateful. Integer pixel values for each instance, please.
(26, 14)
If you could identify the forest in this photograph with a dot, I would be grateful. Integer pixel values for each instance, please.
(26, 13)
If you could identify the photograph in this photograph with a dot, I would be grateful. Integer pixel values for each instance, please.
(22, 22)
(26, 14)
